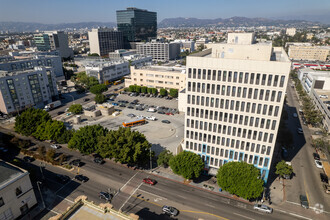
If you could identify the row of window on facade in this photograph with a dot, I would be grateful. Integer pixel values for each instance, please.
(30, 64)
(227, 154)
(233, 118)
(233, 91)
(236, 77)
(230, 142)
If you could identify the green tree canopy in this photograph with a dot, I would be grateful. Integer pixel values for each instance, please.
(28, 122)
(154, 91)
(98, 89)
(241, 179)
(93, 55)
(144, 89)
(125, 146)
(76, 109)
(86, 138)
(283, 169)
(163, 92)
(138, 89)
(164, 158)
(149, 90)
(174, 93)
(50, 130)
(187, 164)
(100, 98)
(132, 88)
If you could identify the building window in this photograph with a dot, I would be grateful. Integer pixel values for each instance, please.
(18, 191)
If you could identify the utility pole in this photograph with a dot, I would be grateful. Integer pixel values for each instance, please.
(150, 160)
(42, 198)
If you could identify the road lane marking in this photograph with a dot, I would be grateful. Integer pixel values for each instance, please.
(129, 180)
(63, 186)
(299, 216)
(293, 203)
(206, 213)
(210, 205)
(152, 194)
(281, 210)
(130, 196)
(65, 199)
(51, 210)
(243, 216)
(146, 200)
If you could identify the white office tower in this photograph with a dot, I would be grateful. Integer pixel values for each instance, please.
(234, 99)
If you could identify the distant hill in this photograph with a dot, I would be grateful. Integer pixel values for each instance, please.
(31, 27)
(232, 22)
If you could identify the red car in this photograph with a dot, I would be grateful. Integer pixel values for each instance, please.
(149, 181)
(169, 113)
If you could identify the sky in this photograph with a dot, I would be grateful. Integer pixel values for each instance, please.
(72, 11)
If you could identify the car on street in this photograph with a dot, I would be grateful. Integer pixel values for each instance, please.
(98, 160)
(169, 210)
(60, 113)
(149, 181)
(62, 178)
(284, 152)
(106, 196)
(131, 115)
(28, 159)
(55, 146)
(324, 178)
(316, 156)
(86, 99)
(295, 115)
(304, 201)
(300, 130)
(318, 164)
(262, 208)
(166, 121)
(81, 178)
(76, 162)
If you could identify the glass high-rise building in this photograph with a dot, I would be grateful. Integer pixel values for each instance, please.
(137, 24)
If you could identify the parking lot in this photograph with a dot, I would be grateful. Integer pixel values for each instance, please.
(160, 135)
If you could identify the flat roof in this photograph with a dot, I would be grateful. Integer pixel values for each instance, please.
(163, 68)
(9, 173)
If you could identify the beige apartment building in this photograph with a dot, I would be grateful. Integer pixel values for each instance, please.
(319, 53)
(234, 99)
(16, 191)
(157, 77)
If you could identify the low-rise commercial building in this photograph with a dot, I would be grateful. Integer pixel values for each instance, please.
(106, 71)
(159, 51)
(157, 77)
(290, 31)
(16, 192)
(319, 53)
(23, 89)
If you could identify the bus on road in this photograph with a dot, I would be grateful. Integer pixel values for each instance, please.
(134, 122)
(117, 82)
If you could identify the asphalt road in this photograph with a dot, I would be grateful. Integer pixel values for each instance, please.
(307, 179)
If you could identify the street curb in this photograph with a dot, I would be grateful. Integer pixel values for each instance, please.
(216, 193)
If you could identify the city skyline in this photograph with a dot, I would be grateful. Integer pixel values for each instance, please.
(105, 11)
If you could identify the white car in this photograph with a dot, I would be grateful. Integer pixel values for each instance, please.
(295, 115)
(262, 208)
(151, 118)
(318, 164)
(55, 146)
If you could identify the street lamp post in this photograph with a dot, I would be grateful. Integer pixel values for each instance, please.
(41, 170)
(42, 198)
(150, 160)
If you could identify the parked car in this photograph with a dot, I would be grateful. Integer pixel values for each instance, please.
(284, 152)
(149, 181)
(295, 115)
(76, 162)
(130, 107)
(324, 178)
(318, 164)
(60, 113)
(300, 131)
(28, 159)
(98, 160)
(106, 196)
(131, 115)
(55, 146)
(169, 210)
(122, 105)
(304, 202)
(316, 156)
(86, 99)
(62, 178)
(81, 178)
(166, 121)
(318, 133)
(262, 208)
(115, 104)
(161, 112)
(151, 118)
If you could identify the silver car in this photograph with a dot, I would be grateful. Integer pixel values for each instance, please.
(262, 208)
(169, 210)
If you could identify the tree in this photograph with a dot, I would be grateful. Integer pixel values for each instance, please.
(126, 146)
(164, 158)
(50, 155)
(100, 98)
(187, 164)
(241, 179)
(138, 89)
(65, 137)
(28, 122)
(98, 89)
(174, 93)
(163, 92)
(149, 90)
(76, 109)
(144, 89)
(86, 138)
(94, 55)
(283, 169)
(132, 88)
(154, 91)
